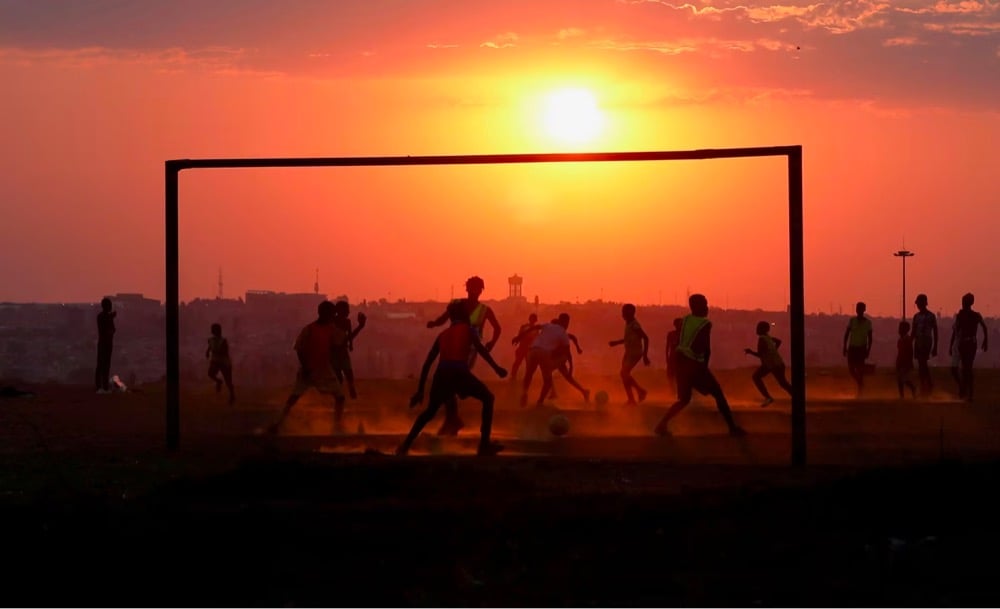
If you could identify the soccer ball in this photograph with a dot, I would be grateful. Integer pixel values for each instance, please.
(559, 425)
(601, 397)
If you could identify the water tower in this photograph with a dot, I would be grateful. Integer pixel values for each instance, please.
(514, 287)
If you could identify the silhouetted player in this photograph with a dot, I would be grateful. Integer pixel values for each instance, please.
(454, 377)
(673, 338)
(964, 338)
(636, 348)
(478, 314)
(549, 353)
(904, 360)
(340, 357)
(925, 342)
(555, 355)
(105, 345)
(525, 336)
(313, 346)
(858, 345)
(693, 353)
(220, 362)
(770, 362)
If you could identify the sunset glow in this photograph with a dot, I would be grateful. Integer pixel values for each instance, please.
(107, 91)
(572, 116)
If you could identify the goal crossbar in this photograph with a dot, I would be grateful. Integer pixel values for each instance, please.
(795, 243)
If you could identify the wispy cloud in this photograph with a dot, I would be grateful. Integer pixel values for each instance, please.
(729, 95)
(835, 17)
(501, 41)
(213, 59)
(901, 41)
(942, 7)
(692, 45)
(570, 32)
(965, 28)
(435, 45)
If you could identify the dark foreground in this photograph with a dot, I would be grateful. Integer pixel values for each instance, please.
(335, 530)
(898, 508)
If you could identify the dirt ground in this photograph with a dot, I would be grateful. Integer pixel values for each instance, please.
(896, 506)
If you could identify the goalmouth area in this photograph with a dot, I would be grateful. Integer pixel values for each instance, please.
(795, 244)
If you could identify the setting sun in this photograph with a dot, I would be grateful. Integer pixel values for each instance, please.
(572, 116)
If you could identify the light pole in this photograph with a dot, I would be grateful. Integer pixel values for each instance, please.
(904, 254)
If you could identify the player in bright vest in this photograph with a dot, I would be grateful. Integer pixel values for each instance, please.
(693, 352)
(770, 362)
(478, 315)
(453, 377)
(858, 345)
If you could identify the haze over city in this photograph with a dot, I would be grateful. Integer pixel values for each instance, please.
(893, 103)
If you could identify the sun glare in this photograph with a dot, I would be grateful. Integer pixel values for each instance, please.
(572, 116)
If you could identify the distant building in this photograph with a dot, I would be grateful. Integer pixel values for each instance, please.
(514, 284)
(267, 299)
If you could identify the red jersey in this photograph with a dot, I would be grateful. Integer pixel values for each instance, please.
(315, 343)
(455, 342)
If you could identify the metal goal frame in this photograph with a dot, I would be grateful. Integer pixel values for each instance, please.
(795, 246)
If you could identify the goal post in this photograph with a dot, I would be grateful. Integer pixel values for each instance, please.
(796, 266)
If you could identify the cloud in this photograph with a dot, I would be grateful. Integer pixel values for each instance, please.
(501, 41)
(901, 41)
(965, 28)
(728, 95)
(570, 32)
(942, 7)
(692, 45)
(441, 46)
(212, 59)
(835, 17)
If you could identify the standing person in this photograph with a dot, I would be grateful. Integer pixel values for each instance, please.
(105, 345)
(340, 357)
(964, 337)
(479, 314)
(693, 374)
(956, 363)
(925, 342)
(636, 348)
(313, 347)
(904, 360)
(770, 362)
(673, 339)
(858, 345)
(525, 336)
(454, 376)
(219, 361)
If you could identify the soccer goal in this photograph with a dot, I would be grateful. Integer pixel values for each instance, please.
(795, 244)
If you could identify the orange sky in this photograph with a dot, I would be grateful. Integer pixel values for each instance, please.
(895, 105)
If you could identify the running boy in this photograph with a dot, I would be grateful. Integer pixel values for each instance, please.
(636, 348)
(693, 353)
(453, 376)
(770, 362)
(313, 347)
